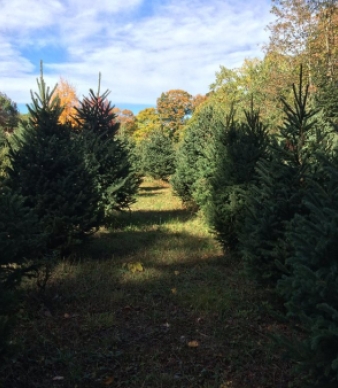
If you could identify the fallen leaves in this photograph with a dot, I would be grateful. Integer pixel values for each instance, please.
(109, 381)
(193, 344)
(134, 267)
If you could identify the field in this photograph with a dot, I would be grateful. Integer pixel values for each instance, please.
(152, 302)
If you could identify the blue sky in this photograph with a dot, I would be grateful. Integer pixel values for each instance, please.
(141, 47)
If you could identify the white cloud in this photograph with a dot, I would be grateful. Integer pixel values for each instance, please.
(177, 44)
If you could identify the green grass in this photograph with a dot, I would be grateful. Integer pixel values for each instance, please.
(102, 323)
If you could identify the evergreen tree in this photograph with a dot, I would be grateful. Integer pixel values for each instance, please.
(238, 148)
(48, 171)
(311, 288)
(282, 180)
(106, 155)
(158, 155)
(195, 160)
(22, 244)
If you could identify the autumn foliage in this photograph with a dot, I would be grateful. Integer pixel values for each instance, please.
(68, 100)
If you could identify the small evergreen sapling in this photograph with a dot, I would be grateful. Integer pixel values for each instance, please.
(158, 159)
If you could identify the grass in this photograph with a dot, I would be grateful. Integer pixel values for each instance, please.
(151, 303)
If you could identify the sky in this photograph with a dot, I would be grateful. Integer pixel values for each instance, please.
(141, 47)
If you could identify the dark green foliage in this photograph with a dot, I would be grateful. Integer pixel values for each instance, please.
(48, 171)
(158, 155)
(237, 149)
(106, 155)
(282, 180)
(195, 161)
(22, 244)
(311, 289)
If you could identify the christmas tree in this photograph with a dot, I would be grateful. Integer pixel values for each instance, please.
(48, 171)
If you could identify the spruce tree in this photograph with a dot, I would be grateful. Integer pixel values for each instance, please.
(48, 171)
(282, 180)
(237, 149)
(22, 244)
(195, 161)
(158, 155)
(106, 155)
(311, 287)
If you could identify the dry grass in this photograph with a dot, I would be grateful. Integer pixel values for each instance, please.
(151, 303)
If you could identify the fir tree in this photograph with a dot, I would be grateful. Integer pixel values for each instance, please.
(311, 288)
(237, 149)
(106, 155)
(282, 180)
(195, 161)
(22, 244)
(158, 155)
(48, 171)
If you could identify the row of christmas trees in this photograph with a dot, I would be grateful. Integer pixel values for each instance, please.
(59, 183)
(272, 201)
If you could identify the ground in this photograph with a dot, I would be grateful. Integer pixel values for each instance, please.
(151, 302)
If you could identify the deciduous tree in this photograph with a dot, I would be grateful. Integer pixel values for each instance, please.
(172, 108)
(68, 100)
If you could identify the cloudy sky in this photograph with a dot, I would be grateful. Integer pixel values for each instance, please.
(141, 47)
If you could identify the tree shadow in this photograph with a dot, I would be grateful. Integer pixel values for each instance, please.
(152, 217)
(151, 188)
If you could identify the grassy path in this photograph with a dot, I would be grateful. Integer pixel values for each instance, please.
(152, 303)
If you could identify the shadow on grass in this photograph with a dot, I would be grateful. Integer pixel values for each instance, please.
(146, 218)
(151, 188)
(120, 245)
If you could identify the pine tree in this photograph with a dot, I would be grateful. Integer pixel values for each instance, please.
(48, 171)
(158, 155)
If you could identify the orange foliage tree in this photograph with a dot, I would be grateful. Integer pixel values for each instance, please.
(126, 119)
(68, 99)
(173, 108)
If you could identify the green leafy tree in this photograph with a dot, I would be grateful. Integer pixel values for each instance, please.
(9, 115)
(148, 121)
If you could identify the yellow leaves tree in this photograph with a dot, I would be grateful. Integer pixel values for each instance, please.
(148, 121)
(68, 99)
